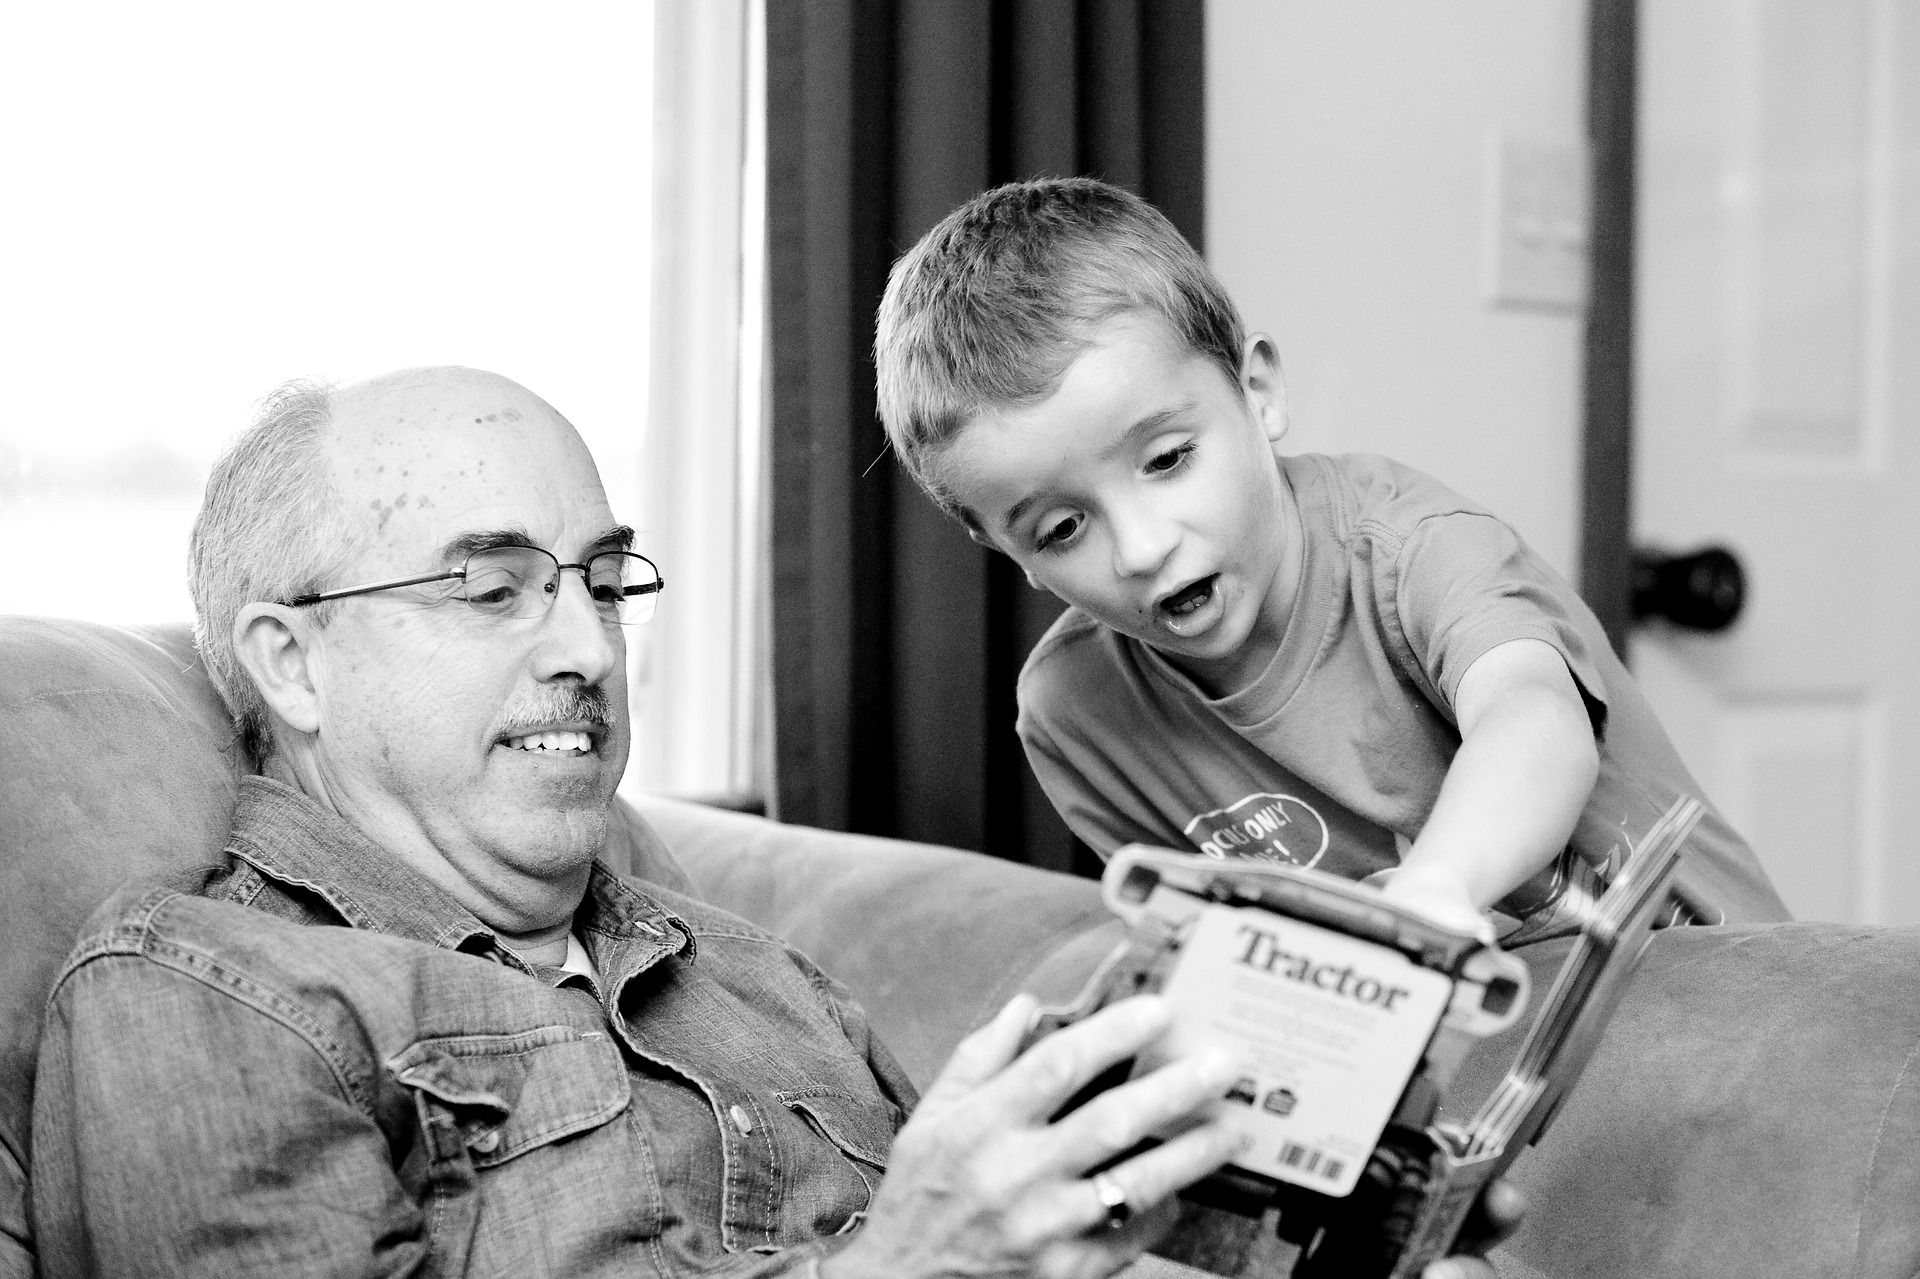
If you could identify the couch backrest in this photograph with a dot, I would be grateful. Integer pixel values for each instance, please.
(117, 760)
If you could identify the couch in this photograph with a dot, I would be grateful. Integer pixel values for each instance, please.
(1754, 1110)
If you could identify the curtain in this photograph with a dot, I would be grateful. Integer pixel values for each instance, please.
(895, 639)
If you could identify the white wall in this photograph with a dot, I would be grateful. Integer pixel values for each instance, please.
(1345, 176)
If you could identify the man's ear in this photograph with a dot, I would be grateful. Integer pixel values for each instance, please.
(271, 642)
(1262, 384)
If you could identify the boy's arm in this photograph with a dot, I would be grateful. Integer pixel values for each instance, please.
(1526, 763)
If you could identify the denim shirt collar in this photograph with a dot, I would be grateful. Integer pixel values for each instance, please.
(289, 838)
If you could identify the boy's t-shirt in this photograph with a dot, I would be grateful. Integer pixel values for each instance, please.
(1334, 756)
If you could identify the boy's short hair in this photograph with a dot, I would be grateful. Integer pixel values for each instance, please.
(992, 305)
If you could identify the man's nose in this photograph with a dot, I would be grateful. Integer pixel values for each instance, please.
(579, 640)
(1142, 539)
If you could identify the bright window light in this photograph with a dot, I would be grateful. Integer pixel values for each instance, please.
(205, 200)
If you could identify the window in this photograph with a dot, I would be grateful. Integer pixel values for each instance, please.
(206, 199)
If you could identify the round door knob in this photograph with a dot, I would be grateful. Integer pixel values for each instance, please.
(1703, 591)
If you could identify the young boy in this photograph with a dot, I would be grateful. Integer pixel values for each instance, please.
(1329, 661)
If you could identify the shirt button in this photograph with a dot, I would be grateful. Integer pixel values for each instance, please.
(487, 1142)
(741, 1119)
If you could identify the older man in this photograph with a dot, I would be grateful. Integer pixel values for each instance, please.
(413, 1027)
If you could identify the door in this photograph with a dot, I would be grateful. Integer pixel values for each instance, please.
(1777, 412)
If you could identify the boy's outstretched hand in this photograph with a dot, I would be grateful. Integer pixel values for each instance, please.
(1439, 895)
(1495, 1217)
(1526, 764)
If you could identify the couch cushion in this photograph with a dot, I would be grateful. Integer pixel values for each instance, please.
(1754, 1109)
(117, 760)
(930, 940)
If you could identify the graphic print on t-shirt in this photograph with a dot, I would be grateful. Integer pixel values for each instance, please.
(1264, 826)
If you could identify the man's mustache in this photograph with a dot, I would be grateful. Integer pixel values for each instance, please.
(587, 703)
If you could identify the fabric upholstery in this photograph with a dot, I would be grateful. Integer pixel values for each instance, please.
(933, 939)
(1753, 1110)
(115, 761)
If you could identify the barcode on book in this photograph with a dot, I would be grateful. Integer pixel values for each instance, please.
(1314, 1163)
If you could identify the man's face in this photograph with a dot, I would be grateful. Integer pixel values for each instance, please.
(445, 732)
(1144, 490)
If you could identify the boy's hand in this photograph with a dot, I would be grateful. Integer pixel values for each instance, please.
(1494, 1218)
(1440, 895)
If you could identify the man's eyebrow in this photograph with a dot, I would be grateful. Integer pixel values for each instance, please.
(618, 538)
(461, 545)
(1145, 426)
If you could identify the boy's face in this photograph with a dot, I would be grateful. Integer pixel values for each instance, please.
(1146, 491)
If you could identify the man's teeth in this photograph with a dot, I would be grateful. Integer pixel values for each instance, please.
(552, 742)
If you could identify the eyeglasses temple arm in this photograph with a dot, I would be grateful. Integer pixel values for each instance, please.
(299, 601)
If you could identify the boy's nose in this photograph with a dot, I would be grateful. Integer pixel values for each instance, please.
(1142, 540)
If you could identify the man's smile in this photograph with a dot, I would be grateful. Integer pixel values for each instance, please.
(556, 723)
(563, 742)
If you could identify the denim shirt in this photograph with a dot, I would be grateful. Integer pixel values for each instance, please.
(322, 1064)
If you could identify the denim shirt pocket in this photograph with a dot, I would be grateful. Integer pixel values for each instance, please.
(858, 1130)
(482, 1101)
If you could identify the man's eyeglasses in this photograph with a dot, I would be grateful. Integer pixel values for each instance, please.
(523, 581)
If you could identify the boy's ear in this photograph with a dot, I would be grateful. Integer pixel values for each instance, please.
(975, 530)
(271, 642)
(1264, 387)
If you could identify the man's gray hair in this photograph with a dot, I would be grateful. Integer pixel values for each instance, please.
(270, 528)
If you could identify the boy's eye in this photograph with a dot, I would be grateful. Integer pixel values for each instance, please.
(1170, 459)
(1057, 532)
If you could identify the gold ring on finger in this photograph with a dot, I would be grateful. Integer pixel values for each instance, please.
(1113, 1199)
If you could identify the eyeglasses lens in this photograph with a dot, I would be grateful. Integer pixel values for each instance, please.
(625, 586)
(522, 581)
(511, 581)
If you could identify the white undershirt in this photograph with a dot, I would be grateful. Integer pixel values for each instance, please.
(577, 960)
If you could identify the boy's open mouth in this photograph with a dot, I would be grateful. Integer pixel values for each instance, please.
(1190, 599)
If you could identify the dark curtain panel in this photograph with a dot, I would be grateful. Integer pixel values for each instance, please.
(896, 640)
(1606, 551)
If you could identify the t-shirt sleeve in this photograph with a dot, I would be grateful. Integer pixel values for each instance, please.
(1087, 812)
(1464, 583)
(1092, 771)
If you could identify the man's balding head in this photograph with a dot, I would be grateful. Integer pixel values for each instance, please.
(485, 748)
(272, 525)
